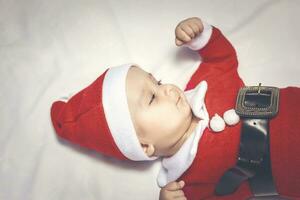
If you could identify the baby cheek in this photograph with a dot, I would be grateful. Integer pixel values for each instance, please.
(167, 119)
(175, 126)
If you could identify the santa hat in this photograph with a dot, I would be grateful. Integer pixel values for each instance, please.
(98, 117)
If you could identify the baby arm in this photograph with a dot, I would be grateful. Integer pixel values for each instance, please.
(172, 190)
(207, 40)
(217, 54)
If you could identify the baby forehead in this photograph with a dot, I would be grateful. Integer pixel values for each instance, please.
(135, 82)
(138, 71)
(137, 75)
(138, 84)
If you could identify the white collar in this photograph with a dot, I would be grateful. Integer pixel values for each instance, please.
(173, 167)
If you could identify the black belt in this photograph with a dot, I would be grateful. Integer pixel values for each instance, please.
(255, 105)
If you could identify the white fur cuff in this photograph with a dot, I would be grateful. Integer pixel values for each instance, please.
(202, 39)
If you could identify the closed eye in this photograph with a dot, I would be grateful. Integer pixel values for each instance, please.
(152, 98)
(153, 95)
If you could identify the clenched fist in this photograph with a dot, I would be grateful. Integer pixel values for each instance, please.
(188, 29)
(172, 190)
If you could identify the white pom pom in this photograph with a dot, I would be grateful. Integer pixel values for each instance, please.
(216, 123)
(230, 117)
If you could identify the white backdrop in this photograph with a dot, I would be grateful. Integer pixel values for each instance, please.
(49, 49)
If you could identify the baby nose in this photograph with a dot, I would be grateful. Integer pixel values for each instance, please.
(171, 92)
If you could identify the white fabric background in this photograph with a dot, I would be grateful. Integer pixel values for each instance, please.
(49, 49)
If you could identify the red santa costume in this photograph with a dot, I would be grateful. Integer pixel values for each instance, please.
(98, 118)
(218, 152)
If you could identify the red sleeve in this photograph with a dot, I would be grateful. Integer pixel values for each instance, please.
(219, 69)
(218, 58)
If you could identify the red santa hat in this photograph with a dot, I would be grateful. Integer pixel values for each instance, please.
(98, 117)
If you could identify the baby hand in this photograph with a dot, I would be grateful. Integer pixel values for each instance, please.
(187, 29)
(172, 190)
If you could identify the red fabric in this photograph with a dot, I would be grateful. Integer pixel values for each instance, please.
(217, 152)
(82, 120)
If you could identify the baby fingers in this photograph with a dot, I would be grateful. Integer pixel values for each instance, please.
(188, 30)
(173, 186)
(178, 42)
(183, 34)
(196, 28)
(181, 198)
(178, 194)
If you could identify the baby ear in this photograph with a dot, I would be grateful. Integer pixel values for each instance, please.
(149, 149)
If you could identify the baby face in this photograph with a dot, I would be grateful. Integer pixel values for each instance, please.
(160, 113)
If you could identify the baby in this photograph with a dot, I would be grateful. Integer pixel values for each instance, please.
(128, 114)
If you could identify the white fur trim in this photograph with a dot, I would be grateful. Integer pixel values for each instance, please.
(231, 118)
(117, 113)
(195, 98)
(202, 39)
(217, 124)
